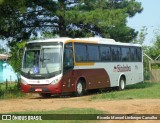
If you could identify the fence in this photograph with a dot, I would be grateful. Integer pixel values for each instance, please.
(9, 88)
(154, 68)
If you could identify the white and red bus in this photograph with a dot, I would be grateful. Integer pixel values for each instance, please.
(65, 65)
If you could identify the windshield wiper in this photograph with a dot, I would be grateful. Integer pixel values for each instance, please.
(47, 69)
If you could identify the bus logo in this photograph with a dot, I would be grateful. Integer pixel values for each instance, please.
(124, 68)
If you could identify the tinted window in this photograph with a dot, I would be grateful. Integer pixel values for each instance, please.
(105, 53)
(125, 54)
(93, 53)
(136, 54)
(68, 55)
(139, 54)
(80, 52)
(132, 54)
(116, 55)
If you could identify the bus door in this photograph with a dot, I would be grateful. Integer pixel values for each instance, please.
(68, 65)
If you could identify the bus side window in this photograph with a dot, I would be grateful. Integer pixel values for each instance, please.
(139, 54)
(68, 56)
(80, 52)
(132, 54)
(136, 54)
(125, 54)
(105, 53)
(93, 53)
(116, 55)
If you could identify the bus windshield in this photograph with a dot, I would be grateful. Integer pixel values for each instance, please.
(42, 61)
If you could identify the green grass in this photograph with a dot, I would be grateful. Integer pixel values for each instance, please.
(144, 90)
(65, 111)
(138, 91)
(12, 91)
(61, 112)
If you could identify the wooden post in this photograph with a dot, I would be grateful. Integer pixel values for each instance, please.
(6, 84)
(150, 68)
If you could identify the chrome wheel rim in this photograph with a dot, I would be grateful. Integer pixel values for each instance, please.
(79, 88)
(122, 84)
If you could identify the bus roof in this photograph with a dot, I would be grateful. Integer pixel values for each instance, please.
(96, 40)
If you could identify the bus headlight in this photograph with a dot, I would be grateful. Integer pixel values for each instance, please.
(23, 82)
(55, 81)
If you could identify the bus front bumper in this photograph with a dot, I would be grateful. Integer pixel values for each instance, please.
(53, 89)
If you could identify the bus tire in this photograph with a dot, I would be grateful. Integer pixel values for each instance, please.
(45, 95)
(122, 83)
(79, 88)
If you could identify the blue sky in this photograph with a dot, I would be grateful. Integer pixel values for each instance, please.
(150, 17)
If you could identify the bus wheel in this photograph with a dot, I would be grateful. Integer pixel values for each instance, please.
(79, 88)
(45, 95)
(122, 83)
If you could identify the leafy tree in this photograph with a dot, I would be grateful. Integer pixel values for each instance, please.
(23, 19)
(154, 51)
(103, 18)
(10, 18)
(141, 37)
(2, 50)
(16, 55)
(1, 1)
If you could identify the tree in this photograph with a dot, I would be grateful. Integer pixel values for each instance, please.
(16, 55)
(141, 36)
(1, 1)
(10, 18)
(103, 18)
(2, 50)
(154, 51)
(23, 19)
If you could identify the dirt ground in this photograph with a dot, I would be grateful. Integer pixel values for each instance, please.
(35, 103)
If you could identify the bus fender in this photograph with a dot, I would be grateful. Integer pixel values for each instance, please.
(83, 78)
(122, 74)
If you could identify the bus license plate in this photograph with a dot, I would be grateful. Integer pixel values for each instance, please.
(38, 89)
